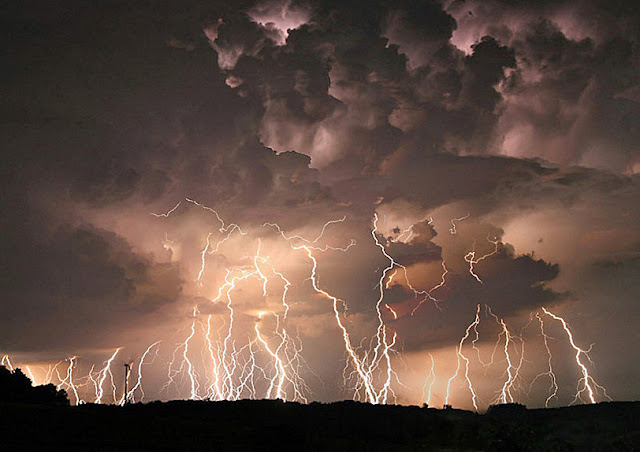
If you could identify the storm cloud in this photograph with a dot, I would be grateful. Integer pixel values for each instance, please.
(519, 119)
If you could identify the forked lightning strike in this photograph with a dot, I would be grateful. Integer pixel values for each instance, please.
(461, 357)
(268, 362)
(470, 257)
(587, 381)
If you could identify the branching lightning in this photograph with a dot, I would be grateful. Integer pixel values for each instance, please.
(462, 358)
(106, 370)
(217, 359)
(553, 388)
(470, 257)
(586, 383)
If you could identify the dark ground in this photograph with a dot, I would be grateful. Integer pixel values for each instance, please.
(267, 425)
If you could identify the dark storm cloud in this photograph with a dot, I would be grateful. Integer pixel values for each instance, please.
(571, 98)
(419, 249)
(481, 175)
(599, 19)
(163, 122)
(586, 116)
(317, 90)
(530, 92)
(512, 285)
(114, 110)
(75, 285)
(343, 95)
(202, 145)
(524, 288)
(420, 29)
(340, 52)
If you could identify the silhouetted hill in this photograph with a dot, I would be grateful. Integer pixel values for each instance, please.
(270, 425)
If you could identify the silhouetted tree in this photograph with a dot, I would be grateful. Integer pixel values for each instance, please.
(16, 387)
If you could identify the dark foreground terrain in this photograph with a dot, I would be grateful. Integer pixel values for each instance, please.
(268, 425)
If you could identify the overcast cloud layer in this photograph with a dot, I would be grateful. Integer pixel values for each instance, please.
(521, 117)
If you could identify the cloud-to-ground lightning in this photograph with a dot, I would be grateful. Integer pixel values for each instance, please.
(513, 345)
(138, 385)
(106, 370)
(462, 358)
(267, 361)
(369, 389)
(512, 370)
(429, 382)
(364, 366)
(7, 362)
(278, 379)
(233, 370)
(553, 388)
(587, 382)
(69, 382)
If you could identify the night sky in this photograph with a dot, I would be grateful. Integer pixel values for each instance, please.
(505, 129)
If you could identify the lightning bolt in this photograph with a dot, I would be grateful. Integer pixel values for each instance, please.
(553, 388)
(364, 376)
(7, 362)
(426, 294)
(202, 257)
(512, 371)
(236, 368)
(453, 230)
(165, 215)
(408, 230)
(30, 374)
(363, 370)
(461, 357)
(138, 385)
(91, 377)
(381, 333)
(185, 353)
(106, 370)
(431, 379)
(228, 369)
(587, 382)
(442, 282)
(50, 371)
(186, 361)
(215, 391)
(364, 367)
(302, 239)
(484, 364)
(68, 380)
(470, 257)
(280, 372)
